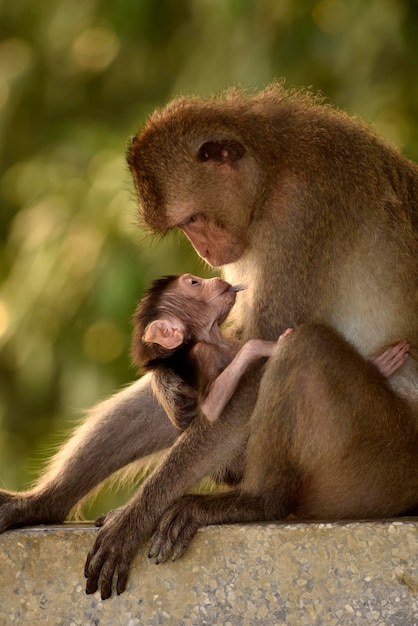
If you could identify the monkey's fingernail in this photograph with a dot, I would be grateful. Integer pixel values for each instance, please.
(237, 287)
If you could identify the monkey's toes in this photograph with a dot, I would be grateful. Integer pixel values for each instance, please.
(161, 548)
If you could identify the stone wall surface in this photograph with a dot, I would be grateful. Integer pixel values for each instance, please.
(297, 574)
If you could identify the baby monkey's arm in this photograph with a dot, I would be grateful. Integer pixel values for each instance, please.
(224, 386)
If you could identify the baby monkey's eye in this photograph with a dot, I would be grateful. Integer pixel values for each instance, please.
(191, 280)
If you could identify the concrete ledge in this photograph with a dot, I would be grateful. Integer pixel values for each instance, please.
(363, 573)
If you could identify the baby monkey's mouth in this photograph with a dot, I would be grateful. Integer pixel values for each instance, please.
(237, 288)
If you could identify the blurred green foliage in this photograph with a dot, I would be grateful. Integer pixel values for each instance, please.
(76, 79)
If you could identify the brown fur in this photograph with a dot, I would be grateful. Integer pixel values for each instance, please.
(318, 217)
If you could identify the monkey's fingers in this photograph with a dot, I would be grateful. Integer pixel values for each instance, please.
(88, 560)
(94, 563)
(123, 571)
(183, 541)
(102, 566)
(156, 543)
(106, 517)
(165, 548)
(392, 358)
(106, 573)
(286, 333)
(100, 520)
(174, 533)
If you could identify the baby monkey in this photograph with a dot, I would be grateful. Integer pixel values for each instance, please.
(177, 336)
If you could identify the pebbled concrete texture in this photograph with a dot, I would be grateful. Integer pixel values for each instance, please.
(363, 573)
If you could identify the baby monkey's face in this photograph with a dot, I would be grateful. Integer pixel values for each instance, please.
(215, 296)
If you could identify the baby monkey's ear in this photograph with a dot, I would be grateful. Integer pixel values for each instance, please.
(168, 333)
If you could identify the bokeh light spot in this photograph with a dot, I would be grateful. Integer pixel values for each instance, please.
(15, 57)
(4, 319)
(95, 48)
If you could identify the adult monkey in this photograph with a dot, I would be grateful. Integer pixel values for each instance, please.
(318, 218)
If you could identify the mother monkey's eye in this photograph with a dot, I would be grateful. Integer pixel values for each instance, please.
(189, 220)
